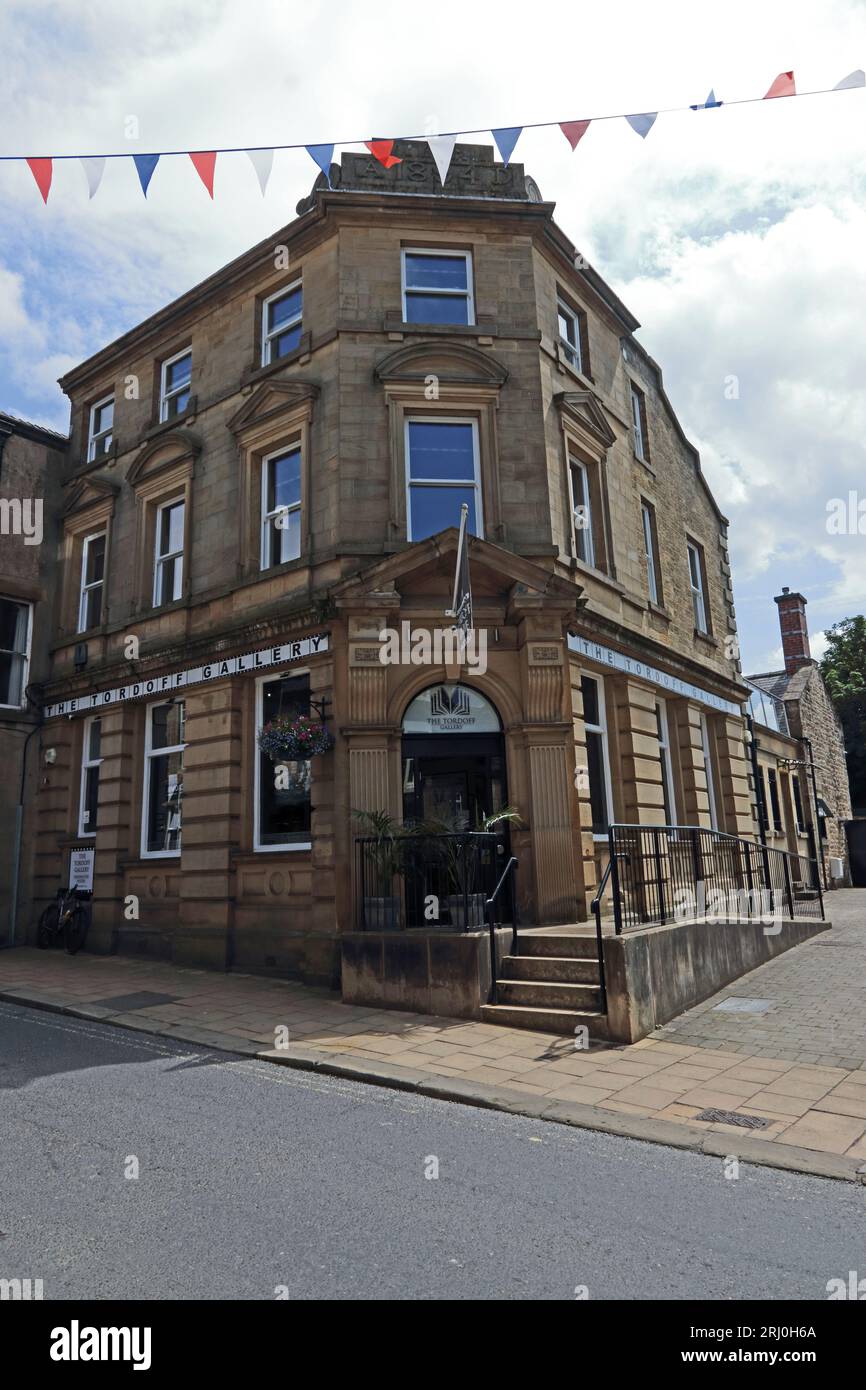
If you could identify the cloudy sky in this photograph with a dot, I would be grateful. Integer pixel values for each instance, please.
(736, 236)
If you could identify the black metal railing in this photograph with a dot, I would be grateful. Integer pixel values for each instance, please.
(669, 873)
(427, 880)
(596, 911)
(507, 876)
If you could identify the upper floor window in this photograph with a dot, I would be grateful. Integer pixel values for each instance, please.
(581, 505)
(639, 428)
(100, 432)
(175, 385)
(572, 336)
(437, 287)
(14, 651)
(442, 472)
(91, 761)
(281, 323)
(698, 586)
(798, 802)
(92, 582)
(281, 508)
(648, 520)
(164, 742)
(168, 560)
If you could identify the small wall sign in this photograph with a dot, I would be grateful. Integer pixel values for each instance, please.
(81, 869)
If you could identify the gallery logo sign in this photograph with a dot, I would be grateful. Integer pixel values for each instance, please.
(454, 702)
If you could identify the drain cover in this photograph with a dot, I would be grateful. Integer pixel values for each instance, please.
(731, 1117)
(743, 1006)
(124, 1003)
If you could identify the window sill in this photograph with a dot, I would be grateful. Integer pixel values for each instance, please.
(706, 637)
(185, 417)
(580, 567)
(251, 375)
(283, 849)
(461, 330)
(563, 363)
(658, 610)
(644, 462)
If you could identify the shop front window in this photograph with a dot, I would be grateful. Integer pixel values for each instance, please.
(283, 787)
(163, 779)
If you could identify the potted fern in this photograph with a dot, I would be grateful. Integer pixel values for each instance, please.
(384, 851)
(459, 853)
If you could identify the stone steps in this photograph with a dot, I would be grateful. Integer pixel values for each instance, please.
(544, 1020)
(573, 970)
(549, 994)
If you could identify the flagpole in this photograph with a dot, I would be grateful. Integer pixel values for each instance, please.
(461, 541)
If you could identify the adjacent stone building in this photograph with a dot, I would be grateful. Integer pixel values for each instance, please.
(817, 773)
(32, 465)
(265, 481)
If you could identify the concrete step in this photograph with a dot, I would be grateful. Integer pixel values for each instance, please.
(574, 970)
(547, 994)
(570, 946)
(545, 1020)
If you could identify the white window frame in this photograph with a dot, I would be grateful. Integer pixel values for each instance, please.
(601, 728)
(258, 847)
(159, 559)
(649, 545)
(92, 436)
(266, 560)
(25, 665)
(637, 422)
(699, 598)
(440, 482)
(164, 395)
(454, 253)
(572, 352)
(84, 587)
(664, 730)
(575, 464)
(149, 753)
(284, 328)
(86, 764)
(708, 767)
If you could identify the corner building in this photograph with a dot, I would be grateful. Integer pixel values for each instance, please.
(269, 472)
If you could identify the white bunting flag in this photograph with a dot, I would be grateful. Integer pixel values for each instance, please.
(442, 148)
(643, 123)
(262, 161)
(857, 78)
(93, 168)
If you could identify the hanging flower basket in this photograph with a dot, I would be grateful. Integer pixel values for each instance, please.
(299, 737)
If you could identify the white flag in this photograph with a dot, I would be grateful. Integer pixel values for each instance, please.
(262, 161)
(857, 78)
(442, 148)
(93, 171)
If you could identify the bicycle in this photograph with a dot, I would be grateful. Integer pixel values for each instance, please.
(66, 920)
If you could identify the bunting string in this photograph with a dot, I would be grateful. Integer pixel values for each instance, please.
(441, 145)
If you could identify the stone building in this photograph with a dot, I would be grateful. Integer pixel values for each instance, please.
(32, 465)
(291, 444)
(817, 776)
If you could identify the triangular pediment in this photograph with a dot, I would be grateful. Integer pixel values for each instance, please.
(584, 410)
(428, 567)
(270, 400)
(88, 492)
(166, 451)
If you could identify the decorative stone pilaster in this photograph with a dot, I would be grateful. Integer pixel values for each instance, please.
(118, 749)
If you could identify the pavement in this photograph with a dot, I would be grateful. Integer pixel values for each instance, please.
(780, 1052)
(138, 1167)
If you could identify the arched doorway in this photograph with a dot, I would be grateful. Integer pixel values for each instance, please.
(453, 776)
(453, 757)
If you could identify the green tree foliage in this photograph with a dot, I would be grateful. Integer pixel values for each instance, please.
(843, 667)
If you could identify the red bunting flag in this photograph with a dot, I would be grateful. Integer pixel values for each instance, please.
(205, 163)
(574, 131)
(783, 86)
(41, 169)
(381, 150)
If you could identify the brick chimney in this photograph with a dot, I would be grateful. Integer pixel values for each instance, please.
(795, 632)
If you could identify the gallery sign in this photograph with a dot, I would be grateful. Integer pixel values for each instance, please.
(81, 869)
(605, 656)
(283, 655)
(450, 709)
